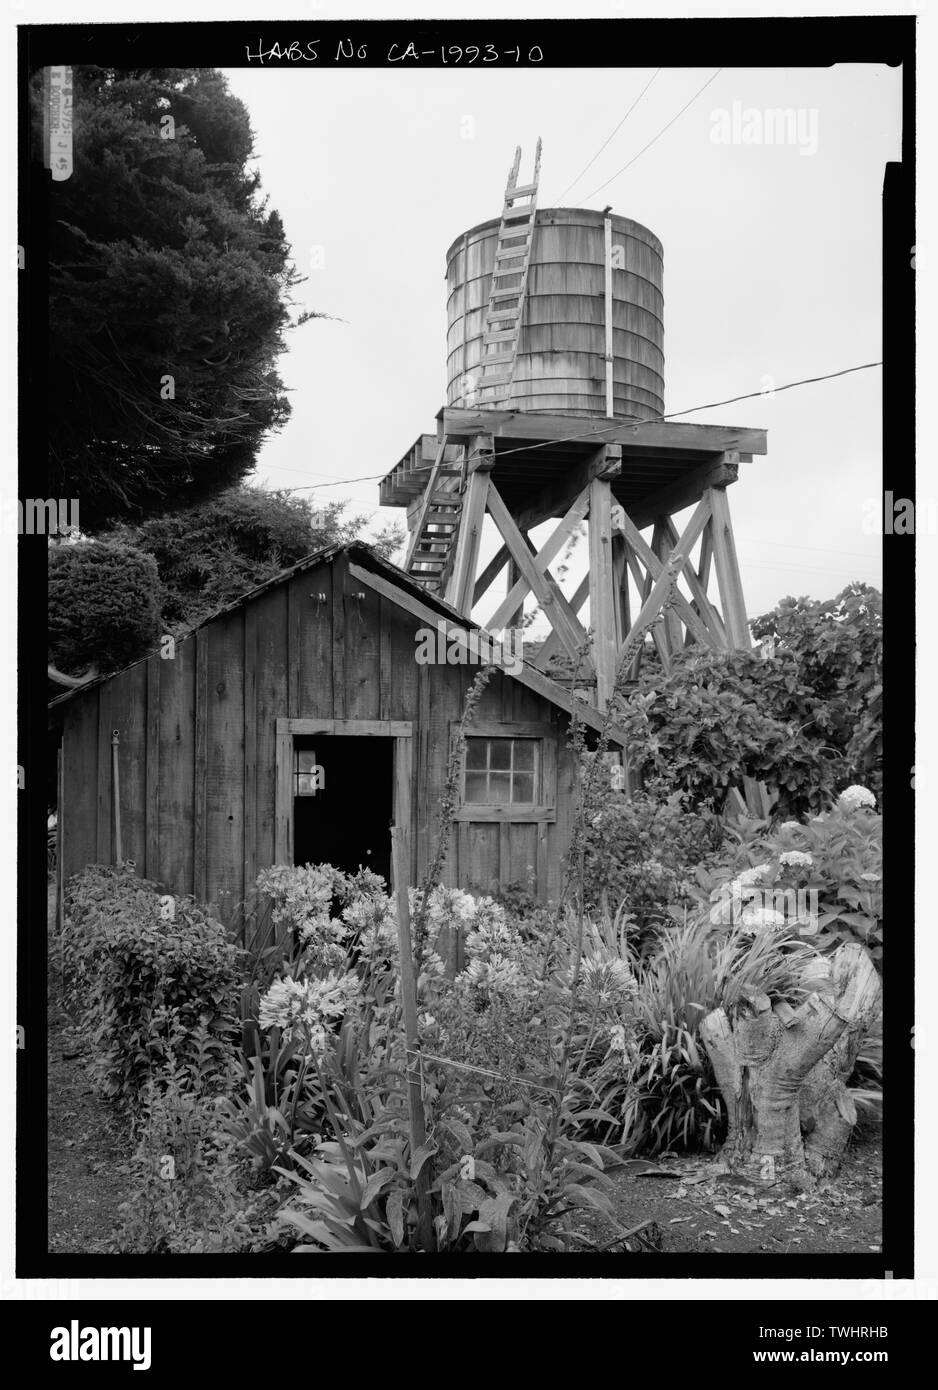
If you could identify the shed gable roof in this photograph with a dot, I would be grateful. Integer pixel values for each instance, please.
(413, 599)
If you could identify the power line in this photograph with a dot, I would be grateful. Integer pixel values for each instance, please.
(672, 415)
(606, 429)
(606, 142)
(657, 137)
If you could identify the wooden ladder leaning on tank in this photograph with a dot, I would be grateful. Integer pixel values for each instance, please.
(434, 534)
(512, 258)
(437, 525)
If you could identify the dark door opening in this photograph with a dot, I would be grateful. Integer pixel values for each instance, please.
(343, 802)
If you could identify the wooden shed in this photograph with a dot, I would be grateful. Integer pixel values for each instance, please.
(298, 725)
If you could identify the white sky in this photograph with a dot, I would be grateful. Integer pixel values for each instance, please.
(771, 269)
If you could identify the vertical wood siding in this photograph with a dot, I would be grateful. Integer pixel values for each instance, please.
(198, 744)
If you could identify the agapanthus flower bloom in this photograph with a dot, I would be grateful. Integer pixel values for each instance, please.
(495, 973)
(790, 826)
(305, 1007)
(374, 920)
(492, 935)
(301, 896)
(607, 979)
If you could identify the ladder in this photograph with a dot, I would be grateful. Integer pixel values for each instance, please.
(502, 327)
(437, 524)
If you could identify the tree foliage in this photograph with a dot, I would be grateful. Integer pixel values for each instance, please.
(110, 598)
(806, 721)
(169, 285)
(838, 645)
(104, 605)
(213, 554)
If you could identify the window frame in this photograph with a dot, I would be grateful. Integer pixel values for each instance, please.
(544, 806)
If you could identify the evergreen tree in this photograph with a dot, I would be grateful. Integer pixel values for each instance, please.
(169, 295)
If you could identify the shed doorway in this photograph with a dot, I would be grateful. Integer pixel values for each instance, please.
(343, 802)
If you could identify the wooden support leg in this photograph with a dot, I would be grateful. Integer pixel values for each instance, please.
(727, 568)
(644, 582)
(602, 590)
(620, 583)
(644, 552)
(701, 603)
(542, 559)
(546, 590)
(553, 647)
(514, 574)
(664, 529)
(461, 588)
(491, 572)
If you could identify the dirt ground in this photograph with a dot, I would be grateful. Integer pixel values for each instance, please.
(88, 1148)
(694, 1205)
(689, 1203)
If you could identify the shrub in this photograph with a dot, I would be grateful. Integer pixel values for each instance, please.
(718, 717)
(186, 1197)
(837, 646)
(104, 605)
(656, 1087)
(505, 1164)
(823, 875)
(134, 958)
(641, 851)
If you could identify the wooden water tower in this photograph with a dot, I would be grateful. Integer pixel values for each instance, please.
(554, 411)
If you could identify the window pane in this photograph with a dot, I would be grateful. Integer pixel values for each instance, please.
(523, 787)
(475, 752)
(500, 787)
(524, 754)
(500, 752)
(475, 786)
(305, 759)
(305, 785)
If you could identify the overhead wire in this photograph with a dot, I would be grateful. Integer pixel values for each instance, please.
(617, 424)
(589, 166)
(655, 138)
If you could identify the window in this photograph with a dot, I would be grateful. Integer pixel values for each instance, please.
(307, 774)
(501, 771)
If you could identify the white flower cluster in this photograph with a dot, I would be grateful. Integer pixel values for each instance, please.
(854, 797)
(306, 1007)
(728, 905)
(492, 934)
(793, 858)
(445, 906)
(495, 973)
(374, 919)
(606, 980)
(759, 874)
(755, 919)
(301, 896)
(789, 826)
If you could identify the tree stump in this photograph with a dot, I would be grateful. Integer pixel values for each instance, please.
(782, 1072)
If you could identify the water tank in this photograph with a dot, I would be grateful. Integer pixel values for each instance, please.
(560, 365)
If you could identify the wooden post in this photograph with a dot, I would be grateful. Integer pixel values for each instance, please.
(556, 608)
(400, 860)
(602, 597)
(727, 568)
(672, 624)
(461, 589)
(607, 232)
(115, 796)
